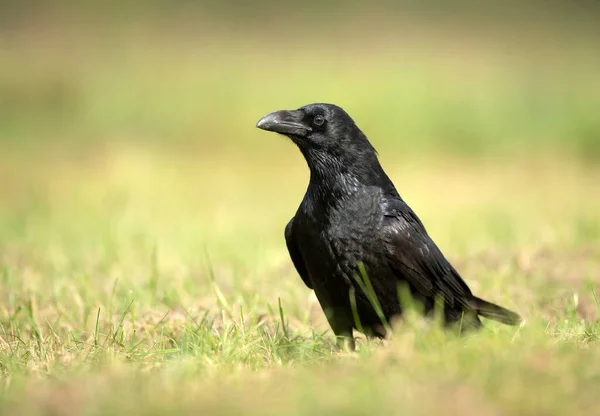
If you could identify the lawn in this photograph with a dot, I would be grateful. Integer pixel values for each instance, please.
(143, 267)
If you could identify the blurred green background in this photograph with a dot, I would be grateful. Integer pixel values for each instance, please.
(460, 79)
(104, 102)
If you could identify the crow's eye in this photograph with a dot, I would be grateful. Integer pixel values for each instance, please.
(319, 120)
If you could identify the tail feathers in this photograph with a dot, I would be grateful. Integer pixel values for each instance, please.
(495, 312)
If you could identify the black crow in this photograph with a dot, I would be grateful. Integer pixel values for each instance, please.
(356, 242)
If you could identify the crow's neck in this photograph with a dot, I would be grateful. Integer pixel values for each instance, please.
(334, 180)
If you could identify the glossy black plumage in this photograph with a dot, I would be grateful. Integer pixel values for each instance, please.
(352, 214)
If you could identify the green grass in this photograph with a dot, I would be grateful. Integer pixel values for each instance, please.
(148, 282)
(143, 268)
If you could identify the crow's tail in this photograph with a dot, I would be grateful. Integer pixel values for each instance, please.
(495, 312)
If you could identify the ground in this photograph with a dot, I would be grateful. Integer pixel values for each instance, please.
(136, 282)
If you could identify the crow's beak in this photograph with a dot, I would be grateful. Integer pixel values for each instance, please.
(284, 122)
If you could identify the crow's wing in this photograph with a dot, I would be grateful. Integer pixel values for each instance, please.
(416, 259)
(295, 254)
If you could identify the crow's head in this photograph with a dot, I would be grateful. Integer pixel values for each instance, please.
(338, 154)
(323, 132)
